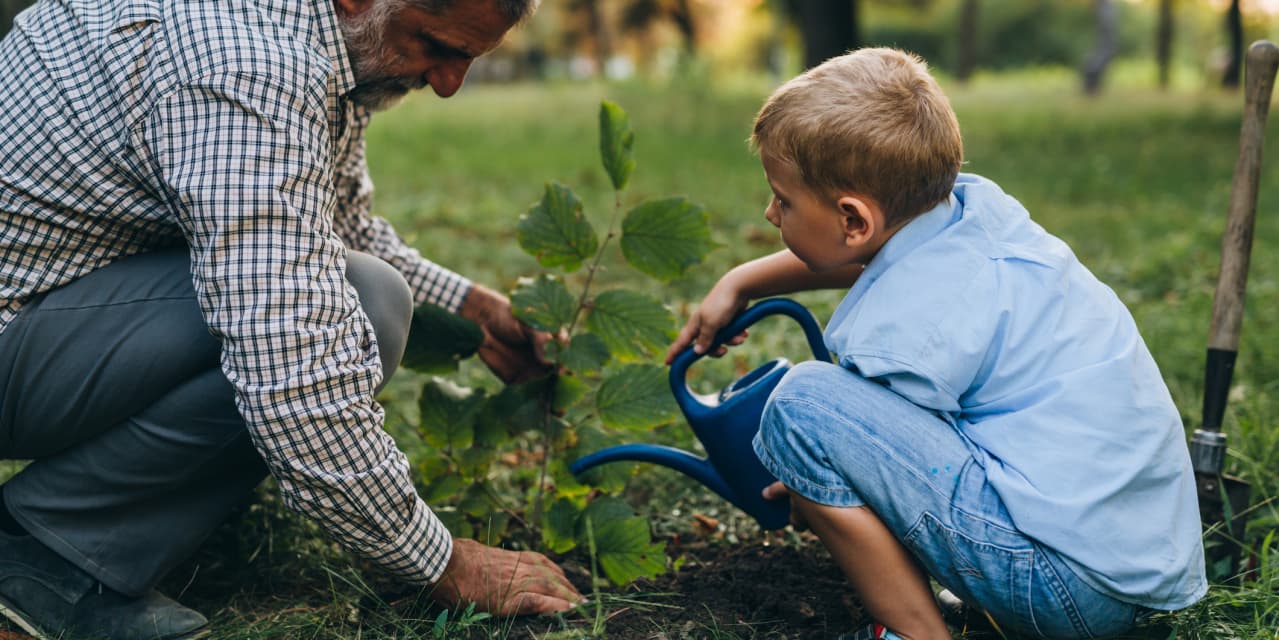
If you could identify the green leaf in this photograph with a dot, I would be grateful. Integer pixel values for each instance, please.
(476, 502)
(600, 510)
(441, 621)
(616, 141)
(448, 413)
(555, 232)
(433, 467)
(543, 303)
(636, 396)
(663, 238)
(609, 477)
(455, 522)
(439, 339)
(557, 526)
(568, 390)
(631, 324)
(586, 353)
(444, 488)
(473, 462)
(492, 527)
(503, 415)
(626, 550)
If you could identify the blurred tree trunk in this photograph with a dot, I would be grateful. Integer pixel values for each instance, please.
(640, 15)
(1163, 42)
(600, 34)
(1234, 29)
(830, 28)
(1095, 66)
(966, 58)
(682, 15)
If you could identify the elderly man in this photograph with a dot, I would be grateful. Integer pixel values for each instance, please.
(193, 294)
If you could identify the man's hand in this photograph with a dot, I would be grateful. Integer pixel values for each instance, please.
(778, 491)
(504, 583)
(718, 309)
(512, 350)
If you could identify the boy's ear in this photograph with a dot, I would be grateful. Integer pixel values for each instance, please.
(861, 219)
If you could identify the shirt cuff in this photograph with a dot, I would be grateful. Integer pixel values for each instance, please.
(421, 552)
(451, 291)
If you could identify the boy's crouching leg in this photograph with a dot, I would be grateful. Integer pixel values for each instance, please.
(808, 433)
(840, 439)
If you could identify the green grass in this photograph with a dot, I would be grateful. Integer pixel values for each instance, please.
(1136, 181)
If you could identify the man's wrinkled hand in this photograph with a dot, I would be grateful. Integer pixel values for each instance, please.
(513, 351)
(504, 583)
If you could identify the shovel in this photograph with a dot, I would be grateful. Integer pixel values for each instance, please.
(1223, 500)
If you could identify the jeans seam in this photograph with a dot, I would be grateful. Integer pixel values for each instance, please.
(808, 484)
(1067, 600)
(868, 432)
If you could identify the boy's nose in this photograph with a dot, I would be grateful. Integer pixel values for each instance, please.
(771, 216)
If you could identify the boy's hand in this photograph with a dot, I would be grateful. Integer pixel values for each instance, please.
(778, 491)
(719, 308)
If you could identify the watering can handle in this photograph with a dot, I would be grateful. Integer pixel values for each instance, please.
(770, 307)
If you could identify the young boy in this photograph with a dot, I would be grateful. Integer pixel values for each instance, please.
(995, 420)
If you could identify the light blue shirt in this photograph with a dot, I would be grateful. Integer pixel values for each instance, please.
(974, 311)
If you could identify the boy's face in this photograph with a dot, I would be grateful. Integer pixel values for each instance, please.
(813, 227)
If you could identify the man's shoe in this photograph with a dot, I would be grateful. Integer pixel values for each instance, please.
(49, 597)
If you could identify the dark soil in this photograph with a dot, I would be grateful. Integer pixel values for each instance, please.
(767, 587)
(745, 590)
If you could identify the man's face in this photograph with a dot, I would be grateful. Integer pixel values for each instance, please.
(397, 48)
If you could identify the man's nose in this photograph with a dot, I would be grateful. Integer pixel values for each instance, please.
(447, 77)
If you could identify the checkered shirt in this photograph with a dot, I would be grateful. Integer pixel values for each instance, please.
(131, 125)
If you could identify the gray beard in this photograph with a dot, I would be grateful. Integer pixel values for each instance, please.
(375, 88)
(381, 93)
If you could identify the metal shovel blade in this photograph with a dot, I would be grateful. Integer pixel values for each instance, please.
(1223, 509)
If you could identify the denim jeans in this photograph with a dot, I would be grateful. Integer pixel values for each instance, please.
(841, 440)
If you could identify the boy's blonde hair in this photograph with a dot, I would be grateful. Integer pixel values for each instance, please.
(872, 122)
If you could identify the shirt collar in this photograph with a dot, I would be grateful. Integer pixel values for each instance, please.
(332, 43)
(921, 229)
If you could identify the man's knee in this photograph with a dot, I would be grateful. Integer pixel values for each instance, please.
(388, 303)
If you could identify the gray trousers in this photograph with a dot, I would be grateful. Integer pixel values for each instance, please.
(112, 386)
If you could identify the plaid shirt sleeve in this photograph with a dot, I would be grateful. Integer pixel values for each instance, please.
(245, 159)
(371, 234)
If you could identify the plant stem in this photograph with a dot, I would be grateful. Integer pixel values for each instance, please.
(548, 405)
(597, 628)
(595, 264)
(548, 397)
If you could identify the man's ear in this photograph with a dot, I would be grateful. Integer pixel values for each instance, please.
(350, 8)
(861, 219)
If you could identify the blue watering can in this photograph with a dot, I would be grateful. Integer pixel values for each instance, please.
(726, 422)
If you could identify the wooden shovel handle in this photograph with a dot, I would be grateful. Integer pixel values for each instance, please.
(1236, 244)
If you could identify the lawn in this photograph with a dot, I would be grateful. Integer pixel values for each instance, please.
(1136, 181)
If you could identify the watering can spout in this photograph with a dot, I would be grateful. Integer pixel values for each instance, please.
(726, 423)
(699, 469)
